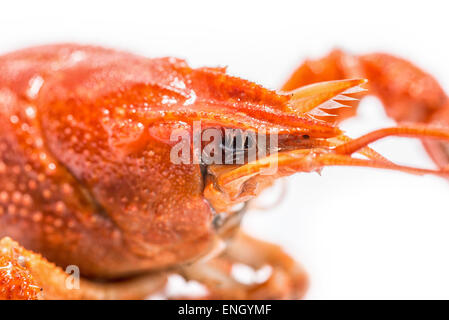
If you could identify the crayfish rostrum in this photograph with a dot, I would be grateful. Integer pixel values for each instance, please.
(86, 177)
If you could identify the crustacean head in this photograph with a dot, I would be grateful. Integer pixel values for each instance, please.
(116, 123)
(133, 133)
(244, 136)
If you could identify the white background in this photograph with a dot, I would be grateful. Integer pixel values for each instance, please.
(361, 233)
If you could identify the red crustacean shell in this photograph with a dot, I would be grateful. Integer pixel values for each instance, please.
(16, 282)
(85, 176)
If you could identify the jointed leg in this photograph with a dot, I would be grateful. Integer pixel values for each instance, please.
(407, 92)
(287, 280)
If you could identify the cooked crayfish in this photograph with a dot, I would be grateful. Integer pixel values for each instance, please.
(86, 178)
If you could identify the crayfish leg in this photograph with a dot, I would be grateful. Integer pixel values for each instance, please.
(407, 92)
(287, 280)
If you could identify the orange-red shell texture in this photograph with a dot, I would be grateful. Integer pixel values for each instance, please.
(71, 187)
(85, 170)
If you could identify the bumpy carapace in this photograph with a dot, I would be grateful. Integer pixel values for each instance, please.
(86, 177)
